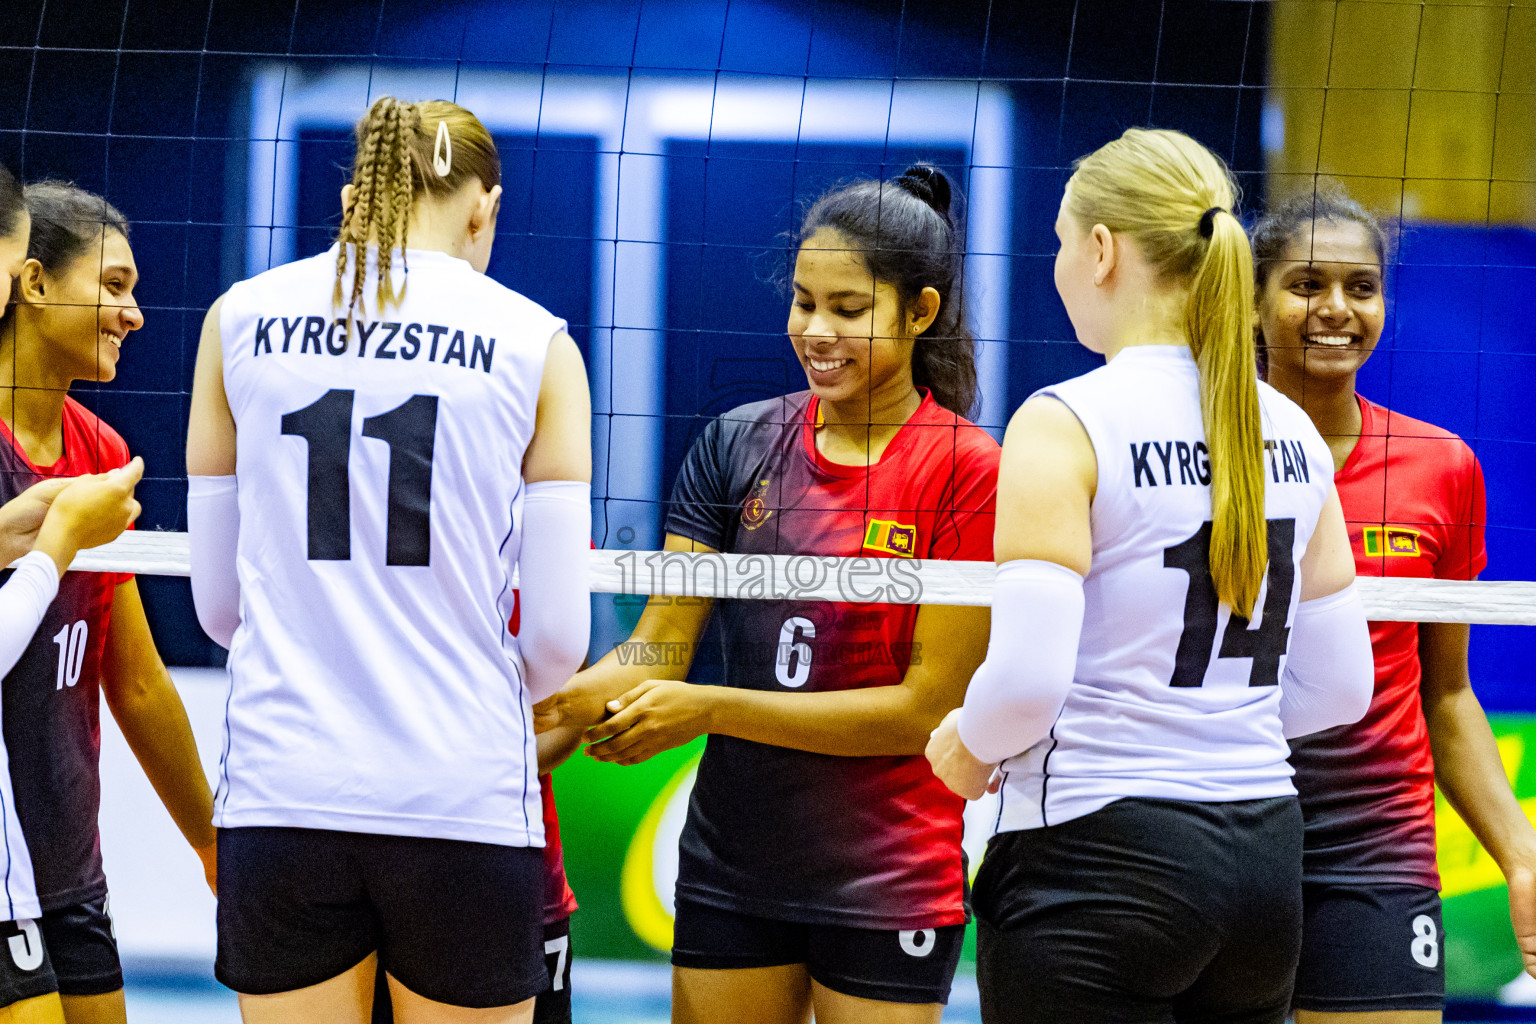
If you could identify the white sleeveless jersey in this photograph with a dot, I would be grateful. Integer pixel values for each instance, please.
(374, 685)
(18, 894)
(1173, 696)
(35, 576)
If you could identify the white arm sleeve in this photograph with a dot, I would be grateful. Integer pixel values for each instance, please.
(555, 601)
(213, 529)
(1330, 673)
(24, 600)
(1017, 693)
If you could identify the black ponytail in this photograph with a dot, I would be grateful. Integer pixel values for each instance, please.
(930, 185)
(911, 239)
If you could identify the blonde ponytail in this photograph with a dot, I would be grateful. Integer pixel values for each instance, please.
(1174, 198)
(1220, 322)
(404, 151)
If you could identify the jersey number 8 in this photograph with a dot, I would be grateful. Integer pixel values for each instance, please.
(1266, 644)
(410, 430)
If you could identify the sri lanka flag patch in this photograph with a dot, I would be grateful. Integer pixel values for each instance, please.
(1388, 541)
(891, 537)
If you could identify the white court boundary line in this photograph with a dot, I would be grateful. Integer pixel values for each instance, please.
(892, 580)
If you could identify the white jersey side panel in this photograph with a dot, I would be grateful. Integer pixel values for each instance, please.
(1172, 697)
(374, 686)
(20, 885)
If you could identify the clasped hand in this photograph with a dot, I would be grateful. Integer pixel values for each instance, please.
(655, 716)
(70, 513)
(23, 515)
(955, 765)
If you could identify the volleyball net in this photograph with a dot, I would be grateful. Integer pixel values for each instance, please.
(719, 576)
(655, 154)
(655, 157)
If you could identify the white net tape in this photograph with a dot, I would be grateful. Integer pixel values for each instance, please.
(891, 580)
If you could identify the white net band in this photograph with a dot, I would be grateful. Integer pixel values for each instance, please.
(888, 580)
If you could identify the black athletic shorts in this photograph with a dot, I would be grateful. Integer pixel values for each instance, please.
(28, 971)
(554, 1005)
(1144, 911)
(456, 922)
(82, 948)
(551, 1007)
(892, 966)
(1370, 948)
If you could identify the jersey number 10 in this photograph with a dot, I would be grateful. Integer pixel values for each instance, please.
(1266, 644)
(410, 430)
(71, 641)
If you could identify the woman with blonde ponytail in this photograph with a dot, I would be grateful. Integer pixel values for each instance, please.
(1174, 598)
(381, 436)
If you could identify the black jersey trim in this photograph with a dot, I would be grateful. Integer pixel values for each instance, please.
(506, 574)
(1002, 798)
(527, 825)
(1045, 772)
(5, 831)
(221, 794)
(501, 550)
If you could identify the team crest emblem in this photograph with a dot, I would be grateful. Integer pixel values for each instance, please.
(756, 511)
(1391, 541)
(891, 537)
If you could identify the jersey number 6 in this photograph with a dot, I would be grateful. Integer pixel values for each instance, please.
(1266, 644)
(410, 430)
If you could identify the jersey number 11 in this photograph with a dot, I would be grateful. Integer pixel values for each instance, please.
(410, 430)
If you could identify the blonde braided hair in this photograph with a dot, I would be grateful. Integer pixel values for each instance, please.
(393, 166)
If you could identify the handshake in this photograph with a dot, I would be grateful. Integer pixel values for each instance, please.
(60, 517)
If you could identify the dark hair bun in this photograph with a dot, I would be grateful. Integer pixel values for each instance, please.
(929, 184)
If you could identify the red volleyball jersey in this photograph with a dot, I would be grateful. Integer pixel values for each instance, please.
(1413, 497)
(559, 900)
(867, 842)
(52, 696)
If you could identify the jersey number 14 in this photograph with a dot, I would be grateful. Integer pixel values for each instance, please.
(1266, 644)
(410, 430)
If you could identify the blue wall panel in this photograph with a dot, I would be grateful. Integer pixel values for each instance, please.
(1458, 352)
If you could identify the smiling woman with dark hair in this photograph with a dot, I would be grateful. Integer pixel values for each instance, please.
(820, 868)
(1412, 494)
(74, 308)
(41, 529)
